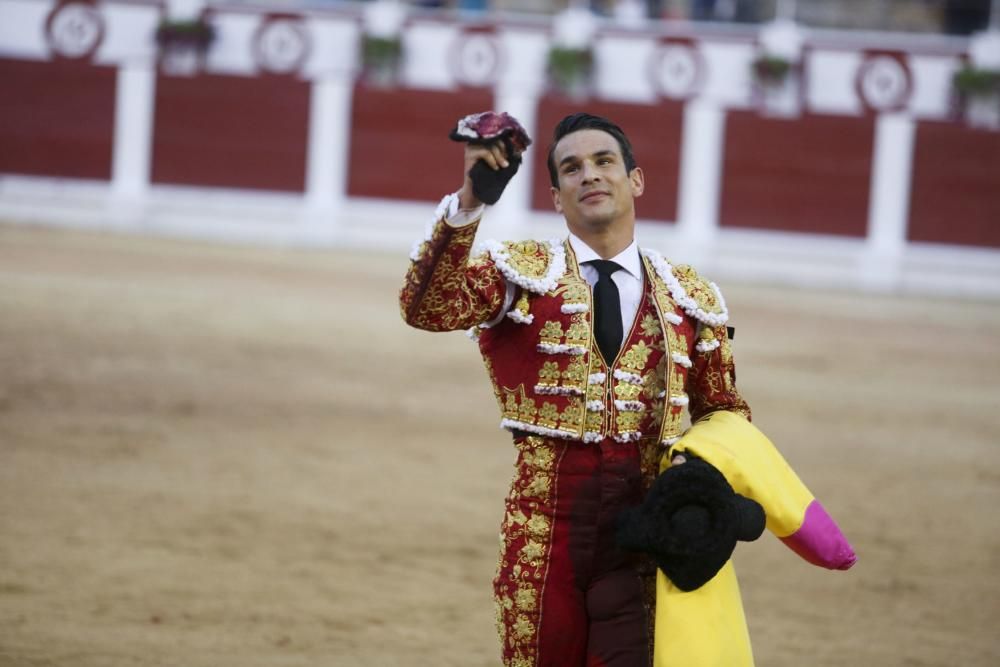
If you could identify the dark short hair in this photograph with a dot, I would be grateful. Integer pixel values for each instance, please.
(585, 121)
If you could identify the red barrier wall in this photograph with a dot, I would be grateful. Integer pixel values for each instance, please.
(955, 191)
(811, 174)
(399, 141)
(57, 118)
(231, 131)
(654, 132)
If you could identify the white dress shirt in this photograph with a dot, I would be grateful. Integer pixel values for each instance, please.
(629, 280)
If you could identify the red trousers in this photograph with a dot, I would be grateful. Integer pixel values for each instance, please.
(566, 595)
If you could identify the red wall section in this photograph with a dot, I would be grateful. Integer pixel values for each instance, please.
(399, 141)
(811, 174)
(653, 130)
(231, 131)
(955, 192)
(57, 118)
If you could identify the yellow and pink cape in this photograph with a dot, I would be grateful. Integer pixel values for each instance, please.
(706, 627)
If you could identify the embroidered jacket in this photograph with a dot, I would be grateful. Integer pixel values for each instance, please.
(548, 376)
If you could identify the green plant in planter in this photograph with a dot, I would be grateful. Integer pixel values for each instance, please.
(971, 82)
(771, 70)
(195, 33)
(570, 68)
(381, 53)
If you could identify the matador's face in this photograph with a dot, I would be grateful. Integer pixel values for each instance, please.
(595, 191)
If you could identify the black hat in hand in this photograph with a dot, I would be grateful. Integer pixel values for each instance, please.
(689, 523)
(486, 128)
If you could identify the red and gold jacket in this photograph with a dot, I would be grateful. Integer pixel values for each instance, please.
(548, 377)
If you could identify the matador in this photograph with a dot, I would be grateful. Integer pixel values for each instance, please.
(596, 348)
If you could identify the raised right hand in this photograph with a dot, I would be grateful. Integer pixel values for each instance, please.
(495, 157)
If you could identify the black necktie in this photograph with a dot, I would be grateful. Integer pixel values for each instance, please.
(607, 310)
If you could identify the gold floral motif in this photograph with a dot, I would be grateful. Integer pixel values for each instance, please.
(595, 392)
(569, 419)
(523, 562)
(578, 334)
(626, 391)
(548, 415)
(551, 332)
(651, 327)
(523, 627)
(576, 373)
(549, 374)
(636, 356)
(575, 292)
(532, 551)
(652, 382)
(539, 487)
(510, 404)
(595, 422)
(539, 525)
(629, 421)
(529, 258)
(541, 457)
(526, 411)
(526, 599)
(713, 379)
(679, 341)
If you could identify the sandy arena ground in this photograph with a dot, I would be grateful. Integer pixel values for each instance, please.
(215, 456)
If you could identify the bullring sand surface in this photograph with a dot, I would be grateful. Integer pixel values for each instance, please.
(225, 456)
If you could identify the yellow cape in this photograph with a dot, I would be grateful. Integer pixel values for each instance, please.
(706, 627)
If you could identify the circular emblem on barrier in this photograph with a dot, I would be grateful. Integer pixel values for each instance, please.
(883, 82)
(476, 58)
(74, 29)
(281, 44)
(677, 69)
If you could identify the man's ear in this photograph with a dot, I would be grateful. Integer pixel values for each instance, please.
(638, 181)
(555, 199)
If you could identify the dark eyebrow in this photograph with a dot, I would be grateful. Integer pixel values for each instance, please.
(573, 158)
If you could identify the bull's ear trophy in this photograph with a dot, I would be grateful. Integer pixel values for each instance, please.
(486, 128)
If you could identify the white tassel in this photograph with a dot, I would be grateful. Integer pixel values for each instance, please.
(515, 425)
(625, 376)
(559, 348)
(681, 359)
(707, 345)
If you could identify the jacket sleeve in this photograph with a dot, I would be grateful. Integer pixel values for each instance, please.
(444, 290)
(712, 382)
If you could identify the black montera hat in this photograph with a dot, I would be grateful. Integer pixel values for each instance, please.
(689, 523)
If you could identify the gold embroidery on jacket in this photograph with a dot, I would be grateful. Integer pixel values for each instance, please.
(551, 332)
(637, 356)
(698, 289)
(526, 540)
(454, 297)
(529, 258)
